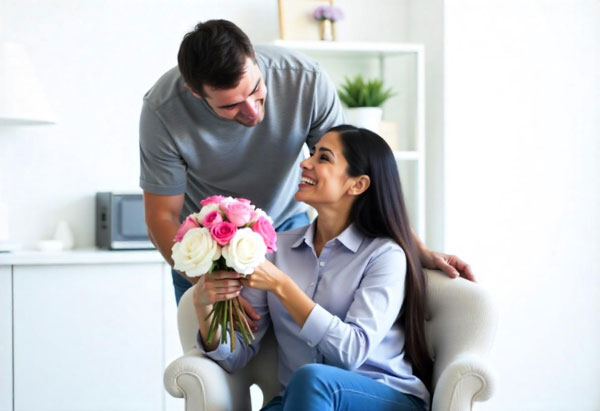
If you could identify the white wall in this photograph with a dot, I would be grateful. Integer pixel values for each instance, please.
(425, 25)
(522, 193)
(95, 60)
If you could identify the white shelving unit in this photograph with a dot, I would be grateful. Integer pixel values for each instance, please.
(401, 66)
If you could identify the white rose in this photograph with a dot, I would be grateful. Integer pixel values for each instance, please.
(245, 251)
(196, 252)
(204, 211)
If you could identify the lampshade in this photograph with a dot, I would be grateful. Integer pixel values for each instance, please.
(22, 99)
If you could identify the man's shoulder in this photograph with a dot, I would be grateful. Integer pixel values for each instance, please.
(170, 85)
(282, 58)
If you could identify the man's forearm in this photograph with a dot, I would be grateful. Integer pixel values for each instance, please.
(162, 234)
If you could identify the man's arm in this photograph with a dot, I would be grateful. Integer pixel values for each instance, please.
(449, 264)
(162, 220)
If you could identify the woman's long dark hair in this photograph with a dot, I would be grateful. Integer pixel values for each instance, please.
(380, 212)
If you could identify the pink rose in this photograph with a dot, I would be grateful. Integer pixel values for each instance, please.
(212, 218)
(264, 227)
(237, 212)
(212, 200)
(223, 232)
(186, 226)
(243, 200)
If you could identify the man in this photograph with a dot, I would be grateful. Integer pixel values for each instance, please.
(232, 119)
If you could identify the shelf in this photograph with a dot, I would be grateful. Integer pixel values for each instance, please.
(358, 49)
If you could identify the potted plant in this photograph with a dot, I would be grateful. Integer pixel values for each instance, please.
(363, 100)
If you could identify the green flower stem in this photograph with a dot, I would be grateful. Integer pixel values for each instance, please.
(224, 318)
(214, 323)
(231, 325)
(240, 314)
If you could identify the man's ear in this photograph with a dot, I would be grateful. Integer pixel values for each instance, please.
(192, 90)
(360, 185)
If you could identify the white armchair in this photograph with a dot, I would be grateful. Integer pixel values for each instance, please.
(460, 328)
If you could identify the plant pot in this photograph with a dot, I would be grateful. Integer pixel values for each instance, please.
(365, 117)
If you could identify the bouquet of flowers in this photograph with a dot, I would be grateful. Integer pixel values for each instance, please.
(227, 234)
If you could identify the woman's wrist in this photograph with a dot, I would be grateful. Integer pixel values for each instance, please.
(283, 286)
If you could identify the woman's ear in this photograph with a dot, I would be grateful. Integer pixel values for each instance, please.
(360, 185)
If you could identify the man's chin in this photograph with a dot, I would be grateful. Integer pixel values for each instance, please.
(250, 123)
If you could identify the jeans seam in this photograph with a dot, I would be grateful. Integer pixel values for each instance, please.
(375, 397)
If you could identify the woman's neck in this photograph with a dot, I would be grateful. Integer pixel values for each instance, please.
(330, 224)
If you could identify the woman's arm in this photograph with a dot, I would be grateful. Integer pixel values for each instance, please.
(268, 277)
(345, 342)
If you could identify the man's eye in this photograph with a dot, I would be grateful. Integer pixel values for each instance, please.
(324, 157)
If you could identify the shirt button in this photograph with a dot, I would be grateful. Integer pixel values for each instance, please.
(310, 344)
(311, 284)
(322, 263)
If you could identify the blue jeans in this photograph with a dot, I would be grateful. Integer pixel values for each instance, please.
(181, 284)
(320, 387)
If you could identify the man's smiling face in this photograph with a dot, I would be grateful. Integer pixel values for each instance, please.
(245, 103)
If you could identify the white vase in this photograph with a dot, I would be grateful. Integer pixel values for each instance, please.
(326, 30)
(64, 235)
(365, 117)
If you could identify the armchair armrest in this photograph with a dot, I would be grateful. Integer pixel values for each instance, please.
(461, 326)
(467, 378)
(204, 384)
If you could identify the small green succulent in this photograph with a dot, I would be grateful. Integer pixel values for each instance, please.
(361, 93)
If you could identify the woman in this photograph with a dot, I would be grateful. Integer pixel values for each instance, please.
(346, 294)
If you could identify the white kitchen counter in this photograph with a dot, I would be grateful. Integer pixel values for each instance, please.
(80, 256)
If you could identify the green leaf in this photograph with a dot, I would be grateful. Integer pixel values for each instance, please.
(360, 93)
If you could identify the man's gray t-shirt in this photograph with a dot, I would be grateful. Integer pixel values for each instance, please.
(186, 148)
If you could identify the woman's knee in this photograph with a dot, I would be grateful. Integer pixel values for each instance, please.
(308, 376)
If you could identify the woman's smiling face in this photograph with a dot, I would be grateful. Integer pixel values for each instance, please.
(324, 174)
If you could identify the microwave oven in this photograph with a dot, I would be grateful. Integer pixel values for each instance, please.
(120, 222)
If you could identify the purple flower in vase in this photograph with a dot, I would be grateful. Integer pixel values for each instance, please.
(330, 13)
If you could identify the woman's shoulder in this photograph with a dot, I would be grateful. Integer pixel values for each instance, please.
(384, 249)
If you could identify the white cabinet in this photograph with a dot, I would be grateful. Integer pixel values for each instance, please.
(401, 66)
(5, 338)
(91, 332)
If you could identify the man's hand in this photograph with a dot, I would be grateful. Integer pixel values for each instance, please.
(449, 264)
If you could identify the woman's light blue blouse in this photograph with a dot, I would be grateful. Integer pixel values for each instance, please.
(357, 284)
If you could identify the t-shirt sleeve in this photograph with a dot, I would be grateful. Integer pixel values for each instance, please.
(327, 108)
(162, 169)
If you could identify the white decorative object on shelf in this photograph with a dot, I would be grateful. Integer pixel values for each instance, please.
(50, 245)
(365, 117)
(64, 234)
